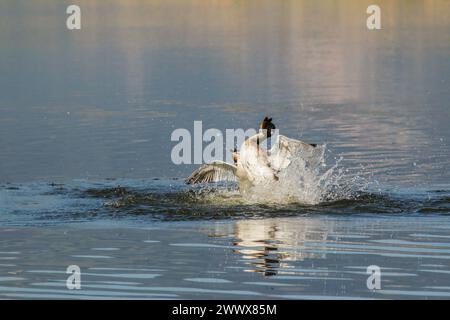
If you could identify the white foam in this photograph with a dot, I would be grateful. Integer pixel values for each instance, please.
(302, 182)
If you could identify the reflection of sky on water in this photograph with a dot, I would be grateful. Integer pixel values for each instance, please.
(103, 101)
(299, 257)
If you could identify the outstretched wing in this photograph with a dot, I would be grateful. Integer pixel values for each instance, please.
(213, 172)
(285, 149)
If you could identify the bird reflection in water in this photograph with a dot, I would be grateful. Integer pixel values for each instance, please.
(272, 246)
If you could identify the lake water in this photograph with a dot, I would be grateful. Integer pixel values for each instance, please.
(86, 176)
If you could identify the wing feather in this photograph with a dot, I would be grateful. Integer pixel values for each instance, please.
(213, 172)
(285, 149)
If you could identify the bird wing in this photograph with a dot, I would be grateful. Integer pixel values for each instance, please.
(213, 172)
(285, 149)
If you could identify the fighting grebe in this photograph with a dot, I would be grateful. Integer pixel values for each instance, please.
(253, 165)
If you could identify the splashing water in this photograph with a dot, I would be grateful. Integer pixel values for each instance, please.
(307, 180)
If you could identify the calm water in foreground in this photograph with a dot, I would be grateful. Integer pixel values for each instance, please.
(86, 176)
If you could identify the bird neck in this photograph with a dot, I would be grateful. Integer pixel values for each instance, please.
(258, 138)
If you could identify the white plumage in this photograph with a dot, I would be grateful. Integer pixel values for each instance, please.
(255, 165)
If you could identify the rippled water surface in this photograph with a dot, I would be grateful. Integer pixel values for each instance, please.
(86, 176)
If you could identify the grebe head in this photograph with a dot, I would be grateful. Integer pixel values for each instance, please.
(267, 124)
